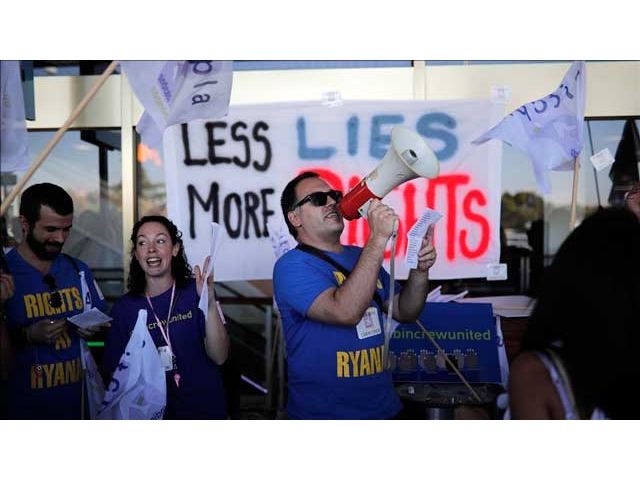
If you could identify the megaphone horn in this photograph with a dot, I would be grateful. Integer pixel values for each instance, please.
(408, 157)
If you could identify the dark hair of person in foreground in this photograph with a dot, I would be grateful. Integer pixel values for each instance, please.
(589, 305)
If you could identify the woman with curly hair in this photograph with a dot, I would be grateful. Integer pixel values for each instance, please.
(162, 282)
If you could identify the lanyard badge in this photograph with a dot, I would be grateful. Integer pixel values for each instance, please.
(167, 355)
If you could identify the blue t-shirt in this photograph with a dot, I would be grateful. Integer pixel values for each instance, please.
(45, 380)
(201, 391)
(332, 373)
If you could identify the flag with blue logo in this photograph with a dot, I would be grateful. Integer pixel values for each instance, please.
(548, 130)
(178, 91)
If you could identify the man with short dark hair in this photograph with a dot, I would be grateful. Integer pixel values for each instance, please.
(331, 298)
(46, 377)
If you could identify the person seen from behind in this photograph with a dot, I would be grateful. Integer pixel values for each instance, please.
(579, 352)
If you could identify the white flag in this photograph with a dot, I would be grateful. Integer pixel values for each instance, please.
(14, 150)
(178, 91)
(548, 130)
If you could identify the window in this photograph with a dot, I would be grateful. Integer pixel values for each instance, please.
(87, 165)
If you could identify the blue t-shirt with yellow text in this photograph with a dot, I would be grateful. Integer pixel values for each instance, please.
(333, 373)
(45, 381)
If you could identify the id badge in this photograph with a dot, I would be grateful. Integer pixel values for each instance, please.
(165, 358)
(369, 324)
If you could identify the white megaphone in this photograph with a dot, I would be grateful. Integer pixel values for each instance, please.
(408, 157)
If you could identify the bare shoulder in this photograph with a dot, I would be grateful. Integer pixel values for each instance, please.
(527, 366)
(532, 394)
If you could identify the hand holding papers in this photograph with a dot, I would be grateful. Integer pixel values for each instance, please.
(415, 235)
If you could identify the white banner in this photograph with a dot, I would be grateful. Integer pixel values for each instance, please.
(232, 171)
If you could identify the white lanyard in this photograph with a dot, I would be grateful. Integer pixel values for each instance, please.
(159, 323)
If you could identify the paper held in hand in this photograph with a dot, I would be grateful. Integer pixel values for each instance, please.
(414, 236)
(216, 240)
(89, 318)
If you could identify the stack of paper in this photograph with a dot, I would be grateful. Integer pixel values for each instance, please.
(435, 295)
(508, 305)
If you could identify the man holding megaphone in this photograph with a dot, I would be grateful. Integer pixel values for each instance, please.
(331, 299)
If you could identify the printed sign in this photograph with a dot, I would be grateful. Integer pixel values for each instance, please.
(466, 334)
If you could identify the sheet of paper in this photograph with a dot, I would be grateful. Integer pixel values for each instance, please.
(215, 241)
(602, 159)
(434, 294)
(500, 94)
(90, 318)
(414, 236)
(496, 271)
(450, 297)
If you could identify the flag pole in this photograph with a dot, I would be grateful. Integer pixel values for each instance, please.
(56, 138)
(574, 194)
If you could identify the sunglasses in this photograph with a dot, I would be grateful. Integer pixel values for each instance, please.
(319, 199)
(55, 300)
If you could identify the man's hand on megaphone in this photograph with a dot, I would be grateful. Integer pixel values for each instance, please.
(427, 253)
(381, 220)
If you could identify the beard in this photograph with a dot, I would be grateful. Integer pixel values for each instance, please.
(40, 248)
